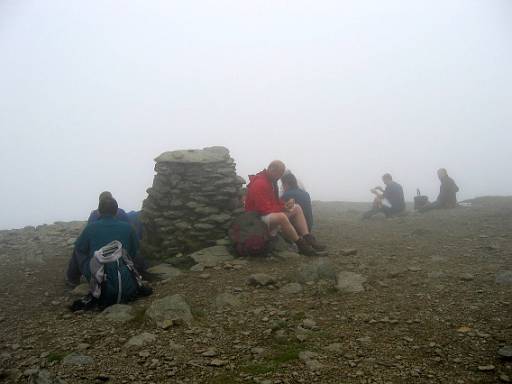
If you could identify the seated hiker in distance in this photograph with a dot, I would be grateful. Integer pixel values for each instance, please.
(389, 201)
(447, 193)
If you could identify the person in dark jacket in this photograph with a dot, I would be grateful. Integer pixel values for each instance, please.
(447, 197)
(291, 190)
(263, 198)
(95, 215)
(98, 234)
(389, 201)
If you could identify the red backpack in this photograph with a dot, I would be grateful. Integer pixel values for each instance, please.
(249, 235)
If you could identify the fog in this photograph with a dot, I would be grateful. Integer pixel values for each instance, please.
(341, 91)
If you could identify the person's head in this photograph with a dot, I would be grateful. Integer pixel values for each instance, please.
(276, 170)
(107, 206)
(442, 173)
(386, 178)
(104, 195)
(289, 181)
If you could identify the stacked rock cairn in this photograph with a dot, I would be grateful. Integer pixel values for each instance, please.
(194, 197)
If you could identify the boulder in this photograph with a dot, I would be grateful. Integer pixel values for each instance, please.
(170, 311)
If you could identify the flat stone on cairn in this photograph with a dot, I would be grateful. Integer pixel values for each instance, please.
(194, 196)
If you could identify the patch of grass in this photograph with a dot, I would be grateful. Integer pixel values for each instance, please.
(56, 356)
(286, 352)
(222, 379)
(259, 368)
(282, 354)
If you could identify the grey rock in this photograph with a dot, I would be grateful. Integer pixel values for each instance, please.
(291, 288)
(350, 282)
(319, 270)
(261, 279)
(212, 256)
(227, 300)
(169, 311)
(164, 271)
(504, 277)
(118, 312)
(505, 352)
(77, 359)
(336, 348)
(41, 376)
(140, 340)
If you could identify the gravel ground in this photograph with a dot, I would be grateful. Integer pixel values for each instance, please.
(433, 306)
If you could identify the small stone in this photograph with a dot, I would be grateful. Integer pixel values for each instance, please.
(217, 363)
(348, 252)
(486, 368)
(309, 324)
(118, 312)
(164, 271)
(350, 282)
(140, 340)
(505, 378)
(291, 288)
(211, 352)
(261, 279)
(505, 352)
(83, 346)
(467, 277)
(77, 359)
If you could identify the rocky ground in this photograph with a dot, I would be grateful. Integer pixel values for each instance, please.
(416, 299)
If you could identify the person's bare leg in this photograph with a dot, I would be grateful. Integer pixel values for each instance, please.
(296, 216)
(287, 229)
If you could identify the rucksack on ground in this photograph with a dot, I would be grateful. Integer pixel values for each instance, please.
(249, 235)
(419, 200)
(112, 276)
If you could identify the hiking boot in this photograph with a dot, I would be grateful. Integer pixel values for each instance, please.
(311, 240)
(304, 248)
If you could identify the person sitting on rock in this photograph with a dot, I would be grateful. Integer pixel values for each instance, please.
(292, 190)
(447, 193)
(100, 233)
(95, 214)
(288, 217)
(389, 201)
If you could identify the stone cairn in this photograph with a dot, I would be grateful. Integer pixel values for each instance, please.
(195, 195)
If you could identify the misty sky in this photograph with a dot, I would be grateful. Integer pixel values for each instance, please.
(341, 91)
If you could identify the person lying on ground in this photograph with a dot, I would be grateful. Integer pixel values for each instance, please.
(389, 201)
(447, 193)
(262, 197)
(95, 214)
(98, 234)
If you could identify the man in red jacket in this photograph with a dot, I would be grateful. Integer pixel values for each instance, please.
(263, 197)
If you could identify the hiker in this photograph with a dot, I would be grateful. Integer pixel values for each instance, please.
(292, 190)
(389, 201)
(95, 215)
(447, 193)
(286, 216)
(98, 234)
